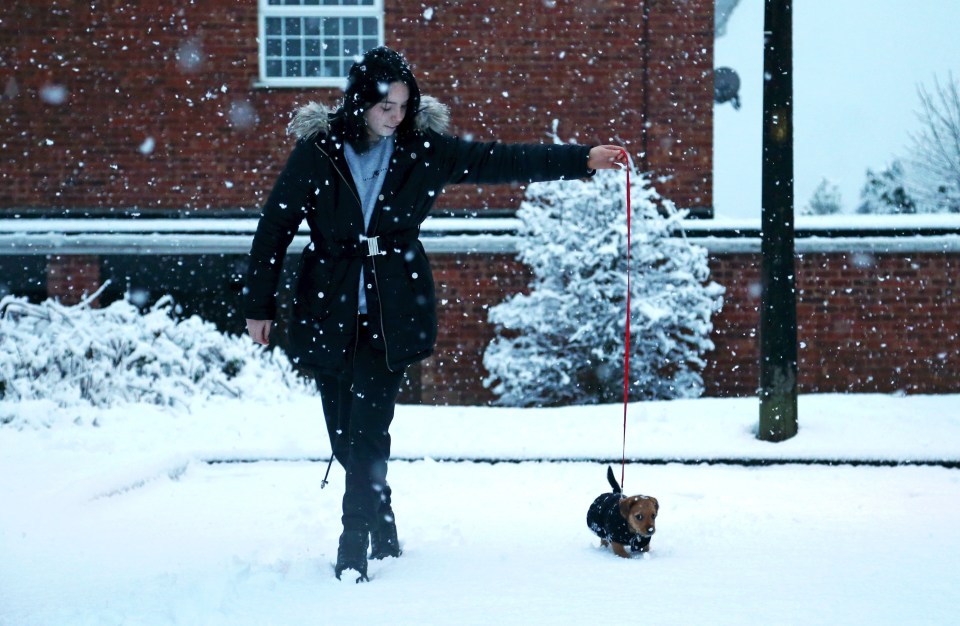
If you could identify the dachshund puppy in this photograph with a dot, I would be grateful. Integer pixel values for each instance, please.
(620, 521)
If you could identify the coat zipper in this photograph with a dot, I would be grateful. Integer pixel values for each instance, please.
(373, 262)
(356, 340)
(376, 286)
(334, 164)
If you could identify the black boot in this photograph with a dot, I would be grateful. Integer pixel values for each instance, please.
(383, 536)
(352, 553)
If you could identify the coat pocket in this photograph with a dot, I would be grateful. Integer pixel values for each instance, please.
(408, 301)
(407, 281)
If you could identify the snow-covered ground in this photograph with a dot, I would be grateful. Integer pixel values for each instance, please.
(121, 516)
(857, 66)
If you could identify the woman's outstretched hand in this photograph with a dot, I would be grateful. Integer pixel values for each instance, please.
(607, 158)
(259, 330)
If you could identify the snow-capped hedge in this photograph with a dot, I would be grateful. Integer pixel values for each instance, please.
(79, 355)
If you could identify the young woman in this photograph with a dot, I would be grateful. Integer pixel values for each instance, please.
(364, 176)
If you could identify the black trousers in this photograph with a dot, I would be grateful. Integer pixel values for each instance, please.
(358, 408)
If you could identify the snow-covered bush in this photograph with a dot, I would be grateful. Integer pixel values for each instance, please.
(83, 356)
(563, 342)
(826, 200)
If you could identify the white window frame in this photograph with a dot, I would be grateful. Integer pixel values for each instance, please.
(273, 10)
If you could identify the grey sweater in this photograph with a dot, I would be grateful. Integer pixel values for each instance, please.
(369, 171)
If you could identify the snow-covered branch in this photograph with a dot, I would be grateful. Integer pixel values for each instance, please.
(936, 148)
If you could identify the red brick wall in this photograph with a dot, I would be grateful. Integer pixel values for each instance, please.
(680, 96)
(70, 278)
(510, 69)
(124, 70)
(118, 64)
(867, 323)
(732, 369)
(467, 286)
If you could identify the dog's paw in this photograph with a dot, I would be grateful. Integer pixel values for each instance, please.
(620, 550)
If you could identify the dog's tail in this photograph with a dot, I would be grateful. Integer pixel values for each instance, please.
(613, 480)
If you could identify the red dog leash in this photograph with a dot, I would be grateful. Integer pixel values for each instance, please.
(626, 354)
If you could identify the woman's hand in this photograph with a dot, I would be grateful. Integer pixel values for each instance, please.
(607, 158)
(259, 330)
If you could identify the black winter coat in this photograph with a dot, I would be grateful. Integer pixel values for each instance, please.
(316, 184)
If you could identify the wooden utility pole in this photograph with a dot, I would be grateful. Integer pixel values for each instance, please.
(778, 313)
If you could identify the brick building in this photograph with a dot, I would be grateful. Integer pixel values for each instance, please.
(176, 110)
(160, 107)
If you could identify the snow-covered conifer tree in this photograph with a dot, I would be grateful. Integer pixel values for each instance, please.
(563, 342)
(885, 192)
(824, 201)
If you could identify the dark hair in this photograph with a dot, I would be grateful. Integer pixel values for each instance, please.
(367, 84)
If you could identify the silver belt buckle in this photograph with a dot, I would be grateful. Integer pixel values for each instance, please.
(373, 246)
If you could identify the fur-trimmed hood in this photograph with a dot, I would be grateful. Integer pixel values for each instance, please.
(314, 118)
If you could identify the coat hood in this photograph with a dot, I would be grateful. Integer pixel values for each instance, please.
(314, 118)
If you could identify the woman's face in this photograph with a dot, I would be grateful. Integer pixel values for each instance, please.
(384, 117)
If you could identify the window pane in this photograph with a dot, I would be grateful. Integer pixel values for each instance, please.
(331, 27)
(274, 68)
(351, 26)
(274, 47)
(291, 26)
(351, 47)
(369, 26)
(293, 68)
(331, 68)
(311, 48)
(311, 26)
(293, 47)
(312, 69)
(274, 26)
(369, 44)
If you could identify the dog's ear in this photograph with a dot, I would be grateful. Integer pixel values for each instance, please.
(625, 505)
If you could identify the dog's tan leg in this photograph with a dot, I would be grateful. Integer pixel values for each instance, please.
(619, 550)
